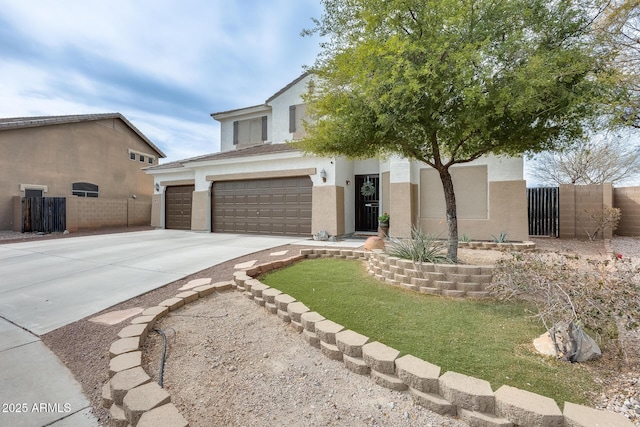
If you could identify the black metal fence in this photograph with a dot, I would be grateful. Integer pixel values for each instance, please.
(544, 211)
(44, 214)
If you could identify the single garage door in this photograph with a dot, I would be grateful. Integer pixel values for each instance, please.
(278, 206)
(178, 207)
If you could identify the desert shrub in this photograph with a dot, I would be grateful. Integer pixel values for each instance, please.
(597, 295)
(595, 221)
(421, 247)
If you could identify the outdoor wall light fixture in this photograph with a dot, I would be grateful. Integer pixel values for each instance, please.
(323, 175)
(157, 187)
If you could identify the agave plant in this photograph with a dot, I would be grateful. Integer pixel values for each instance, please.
(422, 247)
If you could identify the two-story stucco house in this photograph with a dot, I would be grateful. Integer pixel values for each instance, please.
(259, 184)
(95, 161)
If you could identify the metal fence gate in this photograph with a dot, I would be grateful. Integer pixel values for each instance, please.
(44, 214)
(544, 211)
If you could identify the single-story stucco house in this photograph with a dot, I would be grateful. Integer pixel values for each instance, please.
(258, 183)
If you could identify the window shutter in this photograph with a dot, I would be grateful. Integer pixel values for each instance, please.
(264, 128)
(235, 133)
(292, 118)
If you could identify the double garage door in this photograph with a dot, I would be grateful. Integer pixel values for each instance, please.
(277, 206)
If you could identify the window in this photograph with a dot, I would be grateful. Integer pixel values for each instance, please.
(141, 157)
(32, 192)
(84, 189)
(250, 131)
(296, 117)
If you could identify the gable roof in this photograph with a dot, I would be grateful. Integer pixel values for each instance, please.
(30, 122)
(221, 114)
(286, 88)
(256, 150)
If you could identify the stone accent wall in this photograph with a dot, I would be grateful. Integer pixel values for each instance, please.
(134, 400)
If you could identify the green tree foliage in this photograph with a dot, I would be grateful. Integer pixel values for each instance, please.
(448, 81)
(617, 26)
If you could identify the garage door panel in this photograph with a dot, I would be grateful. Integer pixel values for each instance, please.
(178, 200)
(280, 206)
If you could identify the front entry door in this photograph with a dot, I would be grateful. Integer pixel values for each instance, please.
(367, 204)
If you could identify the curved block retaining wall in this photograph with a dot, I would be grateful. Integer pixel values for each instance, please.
(134, 400)
(453, 280)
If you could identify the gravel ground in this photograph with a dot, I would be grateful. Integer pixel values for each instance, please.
(248, 368)
(258, 371)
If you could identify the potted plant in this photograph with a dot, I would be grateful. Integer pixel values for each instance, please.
(383, 225)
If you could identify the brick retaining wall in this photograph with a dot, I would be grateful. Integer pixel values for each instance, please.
(134, 400)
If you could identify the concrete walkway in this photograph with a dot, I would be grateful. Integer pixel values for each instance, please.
(48, 284)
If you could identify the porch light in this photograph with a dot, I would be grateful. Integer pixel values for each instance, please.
(323, 175)
(157, 187)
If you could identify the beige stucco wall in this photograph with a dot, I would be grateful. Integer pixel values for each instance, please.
(507, 212)
(56, 156)
(402, 204)
(327, 209)
(200, 211)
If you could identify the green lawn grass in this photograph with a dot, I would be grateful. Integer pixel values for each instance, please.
(484, 339)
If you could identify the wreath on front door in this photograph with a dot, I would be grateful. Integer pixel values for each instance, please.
(368, 189)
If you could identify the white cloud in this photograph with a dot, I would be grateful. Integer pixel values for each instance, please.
(165, 65)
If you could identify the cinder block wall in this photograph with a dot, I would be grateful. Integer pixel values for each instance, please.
(575, 200)
(627, 199)
(88, 213)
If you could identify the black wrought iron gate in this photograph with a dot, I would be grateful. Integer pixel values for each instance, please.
(44, 214)
(367, 189)
(544, 211)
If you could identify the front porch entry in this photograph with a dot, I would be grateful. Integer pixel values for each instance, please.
(367, 204)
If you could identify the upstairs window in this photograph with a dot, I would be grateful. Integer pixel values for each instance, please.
(250, 131)
(296, 118)
(141, 157)
(84, 189)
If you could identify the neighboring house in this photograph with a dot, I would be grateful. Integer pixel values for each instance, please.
(95, 156)
(259, 184)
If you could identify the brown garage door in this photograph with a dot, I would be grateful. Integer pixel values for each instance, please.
(178, 207)
(279, 206)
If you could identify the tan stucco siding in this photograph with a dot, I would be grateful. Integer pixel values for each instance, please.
(56, 156)
(328, 209)
(507, 212)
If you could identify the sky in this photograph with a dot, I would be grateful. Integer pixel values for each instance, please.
(164, 65)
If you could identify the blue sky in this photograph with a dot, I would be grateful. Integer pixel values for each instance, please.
(165, 65)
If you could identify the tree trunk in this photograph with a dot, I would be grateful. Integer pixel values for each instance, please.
(452, 218)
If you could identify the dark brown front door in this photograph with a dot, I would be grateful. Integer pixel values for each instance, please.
(367, 201)
(178, 207)
(277, 206)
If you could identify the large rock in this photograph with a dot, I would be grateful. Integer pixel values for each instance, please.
(573, 344)
(373, 242)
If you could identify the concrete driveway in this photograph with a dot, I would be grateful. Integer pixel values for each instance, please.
(50, 283)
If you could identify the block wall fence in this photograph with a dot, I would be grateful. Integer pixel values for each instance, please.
(86, 213)
(134, 400)
(575, 199)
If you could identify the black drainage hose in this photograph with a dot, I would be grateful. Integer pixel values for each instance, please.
(164, 353)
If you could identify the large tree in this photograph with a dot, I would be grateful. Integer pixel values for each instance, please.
(448, 81)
